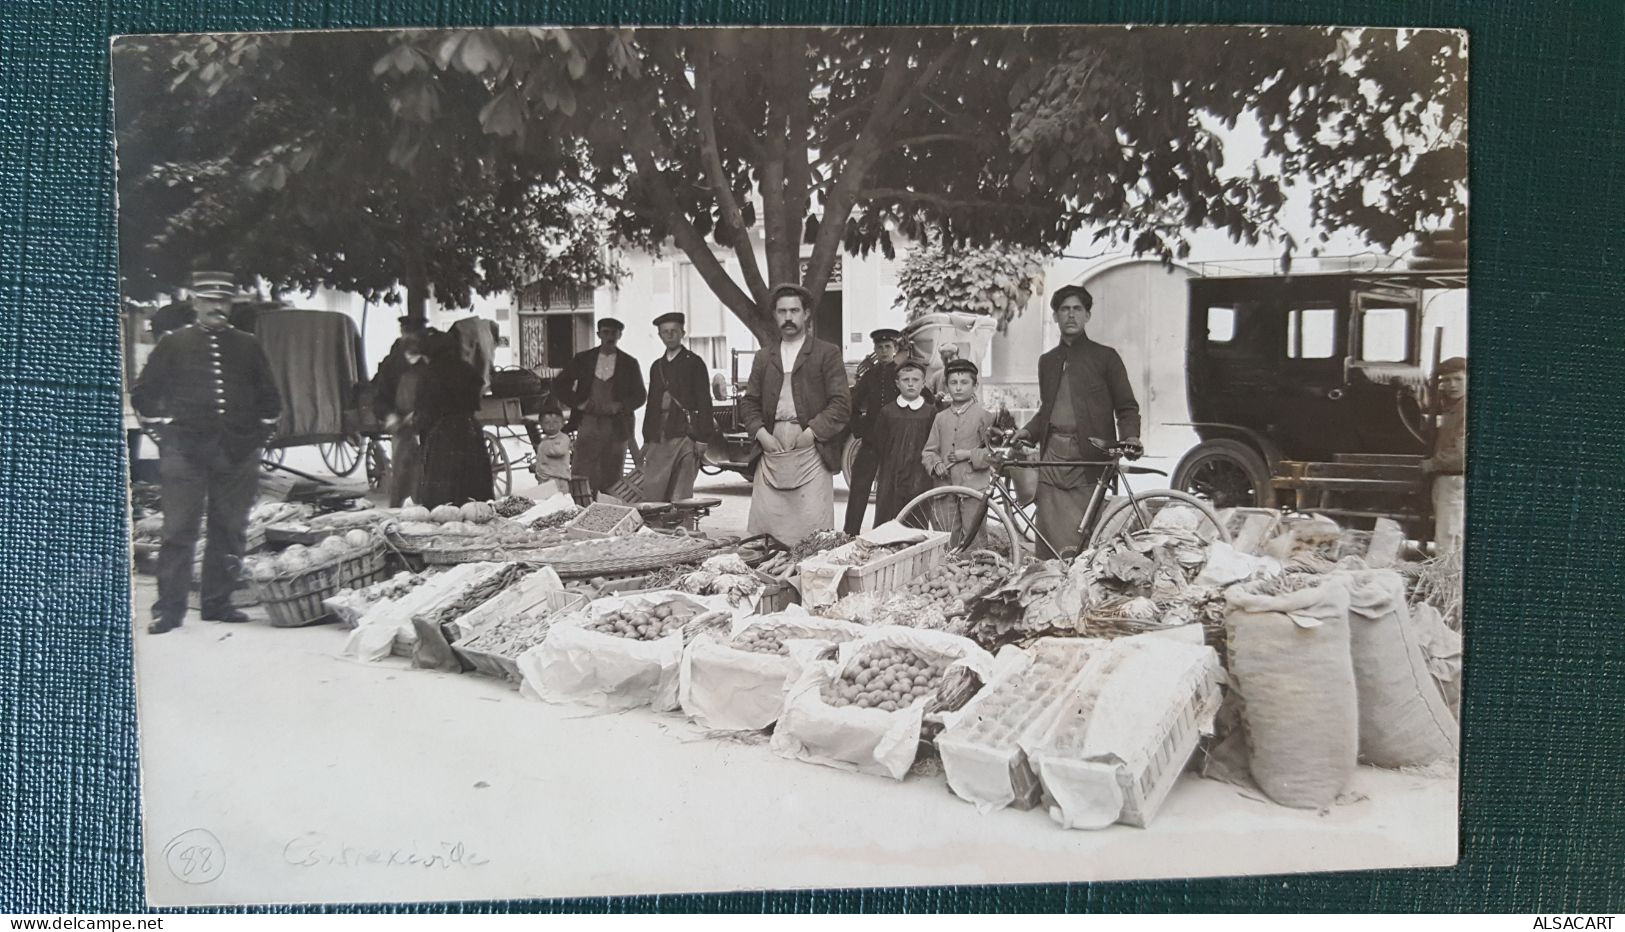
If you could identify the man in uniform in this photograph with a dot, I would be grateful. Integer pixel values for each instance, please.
(796, 407)
(208, 391)
(678, 423)
(603, 387)
(1084, 393)
(875, 387)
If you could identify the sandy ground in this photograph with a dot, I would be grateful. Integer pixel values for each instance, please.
(275, 771)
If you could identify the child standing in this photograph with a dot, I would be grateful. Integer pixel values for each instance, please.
(553, 453)
(899, 433)
(956, 451)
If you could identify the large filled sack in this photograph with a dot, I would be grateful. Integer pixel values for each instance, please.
(1290, 661)
(860, 711)
(1442, 646)
(736, 680)
(621, 652)
(1404, 720)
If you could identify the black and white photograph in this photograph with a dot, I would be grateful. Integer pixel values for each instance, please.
(584, 461)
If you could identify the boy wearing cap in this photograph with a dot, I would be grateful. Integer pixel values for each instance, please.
(208, 389)
(956, 451)
(603, 387)
(1084, 393)
(678, 423)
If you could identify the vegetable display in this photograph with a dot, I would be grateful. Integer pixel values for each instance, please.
(886, 678)
(949, 586)
(650, 625)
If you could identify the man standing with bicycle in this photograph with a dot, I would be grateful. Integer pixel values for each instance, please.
(1083, 392)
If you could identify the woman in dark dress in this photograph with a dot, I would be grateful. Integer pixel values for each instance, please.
(456, 466)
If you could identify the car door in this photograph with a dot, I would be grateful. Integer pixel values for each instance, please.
(1316, 419)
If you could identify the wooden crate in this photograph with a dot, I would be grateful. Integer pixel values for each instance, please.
(627, 520)
(556, 602)
(891, 571)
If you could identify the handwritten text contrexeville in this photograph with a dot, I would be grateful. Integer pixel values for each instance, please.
(314, 849)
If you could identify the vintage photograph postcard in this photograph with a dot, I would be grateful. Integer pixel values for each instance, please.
(594, 461)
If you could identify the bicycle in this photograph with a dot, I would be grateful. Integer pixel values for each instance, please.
(939, 508)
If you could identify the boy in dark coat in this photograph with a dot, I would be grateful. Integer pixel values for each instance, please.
(900, 432)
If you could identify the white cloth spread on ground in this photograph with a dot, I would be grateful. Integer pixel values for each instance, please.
(793, 494)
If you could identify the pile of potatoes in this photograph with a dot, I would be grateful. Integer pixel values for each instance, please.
(762, 640)
(886, 678)
(949, 585)
(644, 624)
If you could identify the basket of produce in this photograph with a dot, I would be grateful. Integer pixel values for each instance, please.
(494, 649)
(449, 551)
(882, 561)
(604, 520)
(622, 555)
(294, 584)
(734, 680)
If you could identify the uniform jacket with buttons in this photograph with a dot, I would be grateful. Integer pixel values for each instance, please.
(687, 381)
(209, 384)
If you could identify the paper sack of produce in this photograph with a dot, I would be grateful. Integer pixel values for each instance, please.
(863, 711)
(621, 652)
(736, 681)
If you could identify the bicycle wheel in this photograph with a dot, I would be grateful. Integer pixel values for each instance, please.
(938, 510)
(342, 456)
(1135, 512)
(501, 471)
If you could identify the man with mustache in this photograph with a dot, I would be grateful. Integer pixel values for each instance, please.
(796, 408)
(208, 392)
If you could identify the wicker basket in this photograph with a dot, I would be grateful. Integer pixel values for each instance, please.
(481, 553)
(296, 600)
(624, 520)
(893, 570)
(623, 566)
(557, 602)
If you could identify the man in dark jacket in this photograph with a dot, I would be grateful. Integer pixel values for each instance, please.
(796, 406)
(603, 387)
(208, 392)
(1084, 393)
(678, 423)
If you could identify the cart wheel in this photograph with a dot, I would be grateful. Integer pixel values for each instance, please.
(1226, 473)
(377, 463)
(501, 469)
(343, 456)
(849, 458)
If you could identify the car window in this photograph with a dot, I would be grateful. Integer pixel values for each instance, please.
(1311, 333)
(1221, 324)
(1385, 334)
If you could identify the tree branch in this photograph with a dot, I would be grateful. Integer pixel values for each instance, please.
(711, 155)
(642, 148)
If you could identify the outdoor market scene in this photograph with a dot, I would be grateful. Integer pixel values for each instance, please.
(1152, 546)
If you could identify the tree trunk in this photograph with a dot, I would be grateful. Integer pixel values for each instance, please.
(417, 282)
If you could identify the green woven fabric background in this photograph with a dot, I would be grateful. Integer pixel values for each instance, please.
(1543, 816)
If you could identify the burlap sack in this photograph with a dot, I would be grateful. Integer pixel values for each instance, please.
(1290, 660)
(1404, 720)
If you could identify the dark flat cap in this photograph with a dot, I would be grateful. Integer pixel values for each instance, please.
(1068, 291)
(885, 333)
(961, 365)
(610, 322)
(1453, 364)
(672, 318)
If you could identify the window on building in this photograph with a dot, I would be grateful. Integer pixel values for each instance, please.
(1385, 333)
(1311, 333)
(1221, 324)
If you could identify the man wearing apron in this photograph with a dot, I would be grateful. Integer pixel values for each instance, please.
(796, 407)
(679, 422)
(603, 387)
(1083, 392)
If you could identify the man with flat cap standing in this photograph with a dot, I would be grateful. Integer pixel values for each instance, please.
(603, 387)
(678, 422)
(1083, 392)
(208, 393)
(796, 407)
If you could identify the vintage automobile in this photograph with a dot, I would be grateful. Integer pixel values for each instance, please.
(1310, 392)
